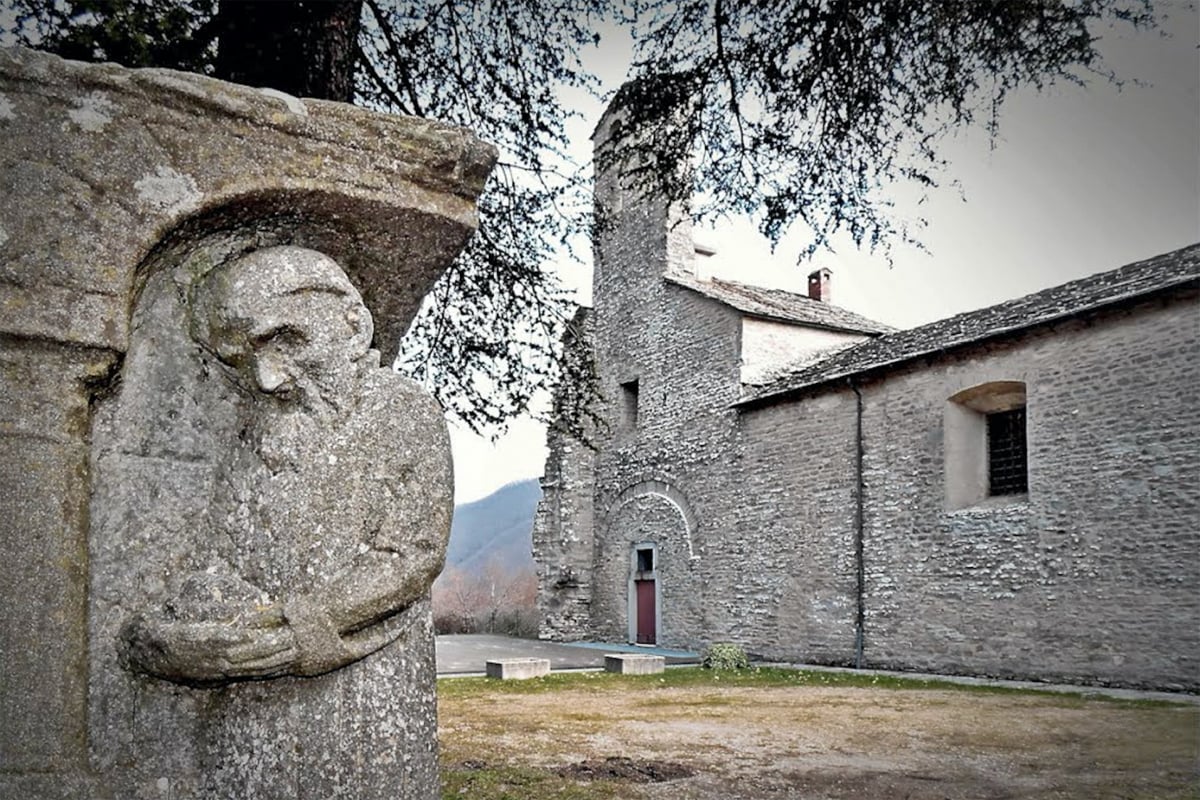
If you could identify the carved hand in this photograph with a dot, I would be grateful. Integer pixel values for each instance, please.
(206, 652)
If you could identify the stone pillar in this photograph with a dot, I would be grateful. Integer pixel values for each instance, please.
(43, 564)
(122, 189)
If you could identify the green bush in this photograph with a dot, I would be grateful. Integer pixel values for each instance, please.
(724, 657)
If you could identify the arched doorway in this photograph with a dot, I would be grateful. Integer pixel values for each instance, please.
(646, 561)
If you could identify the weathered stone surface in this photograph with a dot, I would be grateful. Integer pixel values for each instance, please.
(328, 513)
(220, 516)
(125, 157)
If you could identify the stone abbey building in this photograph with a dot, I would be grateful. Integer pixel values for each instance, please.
(1013, 491)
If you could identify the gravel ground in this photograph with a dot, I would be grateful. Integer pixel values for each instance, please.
(715, 742)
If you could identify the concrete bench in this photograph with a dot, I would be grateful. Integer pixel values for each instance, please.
(514, 668)
(634, 663)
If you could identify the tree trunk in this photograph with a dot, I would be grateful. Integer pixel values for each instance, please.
(303, 48)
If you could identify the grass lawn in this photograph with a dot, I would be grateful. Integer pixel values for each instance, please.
(776, 733)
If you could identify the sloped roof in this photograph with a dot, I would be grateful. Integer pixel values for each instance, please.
(1122, 285)
(776, 304)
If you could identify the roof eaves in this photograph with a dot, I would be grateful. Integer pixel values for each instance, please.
(827, 326)
(765, 296)
(741, 302)
(768, 395)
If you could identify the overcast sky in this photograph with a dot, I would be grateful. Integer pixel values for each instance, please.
(1081, 181)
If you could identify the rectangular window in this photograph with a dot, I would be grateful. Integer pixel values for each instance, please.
(1007, 459)
(629, 402)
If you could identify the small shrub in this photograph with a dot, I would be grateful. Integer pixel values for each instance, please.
(725, 657)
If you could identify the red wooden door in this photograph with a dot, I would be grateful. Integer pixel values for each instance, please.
(646, 633)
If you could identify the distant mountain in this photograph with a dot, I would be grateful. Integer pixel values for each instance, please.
(498, 526)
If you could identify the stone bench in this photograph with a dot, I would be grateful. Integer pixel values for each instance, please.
(634, 663)
(516, 668)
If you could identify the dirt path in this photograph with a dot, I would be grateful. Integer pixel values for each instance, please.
(812, 742)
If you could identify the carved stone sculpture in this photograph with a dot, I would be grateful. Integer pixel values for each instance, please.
(331, 511)
(219, 514)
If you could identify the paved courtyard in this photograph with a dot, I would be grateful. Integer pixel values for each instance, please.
(467, 654)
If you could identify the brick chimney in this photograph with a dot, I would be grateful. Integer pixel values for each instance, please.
(820, 285)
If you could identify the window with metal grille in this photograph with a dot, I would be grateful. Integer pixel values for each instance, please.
(1007, 460)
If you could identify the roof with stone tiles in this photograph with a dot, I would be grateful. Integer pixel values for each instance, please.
(781, 306)
(1122, 285)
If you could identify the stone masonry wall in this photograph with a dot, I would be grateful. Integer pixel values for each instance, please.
(1090, 578)
(653, 479)
(683, 443)
(1094, 576)
(787, 567)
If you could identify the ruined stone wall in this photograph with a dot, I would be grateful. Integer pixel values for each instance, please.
(1087, 578)
(563, 527)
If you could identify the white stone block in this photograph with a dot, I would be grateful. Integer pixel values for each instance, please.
(516, 668)
(634, 663)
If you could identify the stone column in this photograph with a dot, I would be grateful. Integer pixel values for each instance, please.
(121, 189)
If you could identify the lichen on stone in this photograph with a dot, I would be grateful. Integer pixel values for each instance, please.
(168, 190)
(93, 113)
